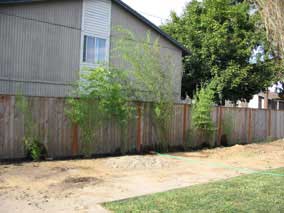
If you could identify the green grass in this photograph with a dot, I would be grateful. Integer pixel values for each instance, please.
(248, 193)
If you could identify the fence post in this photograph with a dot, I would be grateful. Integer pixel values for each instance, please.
(219, 125)
(249, 125)
(75, 134)
(185, 115)
(139, 127)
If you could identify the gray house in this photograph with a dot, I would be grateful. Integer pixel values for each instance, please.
(45, 43)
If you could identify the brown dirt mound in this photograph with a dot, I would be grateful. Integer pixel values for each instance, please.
(138, 162)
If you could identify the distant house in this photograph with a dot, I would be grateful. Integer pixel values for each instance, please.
(45, 43)
(262, 100)
(273, 101)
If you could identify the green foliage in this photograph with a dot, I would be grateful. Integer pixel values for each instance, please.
(202, 124)
(33, 147)
(102, 95)
(202, 107)
(162, 115)
(222, 36)
(110, 88)
(151, 76)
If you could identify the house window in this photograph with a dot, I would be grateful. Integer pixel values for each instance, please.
(100, 54)
(94, 50)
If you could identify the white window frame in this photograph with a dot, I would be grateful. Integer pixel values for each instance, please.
(83, 45)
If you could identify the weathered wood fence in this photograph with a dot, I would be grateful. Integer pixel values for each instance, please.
(62, 139)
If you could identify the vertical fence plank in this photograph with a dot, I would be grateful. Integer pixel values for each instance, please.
(18, 133)
(45, 122)
(269, 124)
(6, 127)
(2, 116)
(12, 144)
(139, 128)
(281, 116)
(249, 125)
(273, 124)
(75, 144)
(219, 128)
(185, 112)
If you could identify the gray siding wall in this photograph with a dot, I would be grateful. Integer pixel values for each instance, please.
(126, 20)
(40, 47)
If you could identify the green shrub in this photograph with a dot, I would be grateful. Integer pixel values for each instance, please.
(203, 127)
(152, 77)
(34, 149)
(102, 94)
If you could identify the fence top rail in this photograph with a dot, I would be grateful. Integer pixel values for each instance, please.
(149, 102)
(247, 108)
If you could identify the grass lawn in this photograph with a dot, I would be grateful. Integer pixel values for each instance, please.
(248, 193)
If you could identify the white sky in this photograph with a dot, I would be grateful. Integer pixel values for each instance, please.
(159, 8)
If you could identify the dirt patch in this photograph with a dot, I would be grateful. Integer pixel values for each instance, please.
(60, 169)
(4, 189)
(79, 182)
(79, 185)
(52, 172)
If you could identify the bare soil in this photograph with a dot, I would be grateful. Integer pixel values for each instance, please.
(80, 185)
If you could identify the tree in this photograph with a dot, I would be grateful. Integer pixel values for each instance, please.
(151, 77)
(222, 36)
(202, 127)
(272, 13)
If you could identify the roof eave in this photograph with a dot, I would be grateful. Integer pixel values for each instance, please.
(185, 51)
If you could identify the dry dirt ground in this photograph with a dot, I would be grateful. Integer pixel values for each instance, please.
(80, 185)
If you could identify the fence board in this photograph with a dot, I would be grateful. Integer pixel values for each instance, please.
(281, 124)
(59, 135)
(260, 121)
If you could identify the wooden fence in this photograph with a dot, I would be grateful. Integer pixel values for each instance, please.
(62, 139)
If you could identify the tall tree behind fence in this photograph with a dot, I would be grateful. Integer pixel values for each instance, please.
(62, 138)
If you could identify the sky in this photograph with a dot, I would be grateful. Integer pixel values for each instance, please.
(157, 11)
